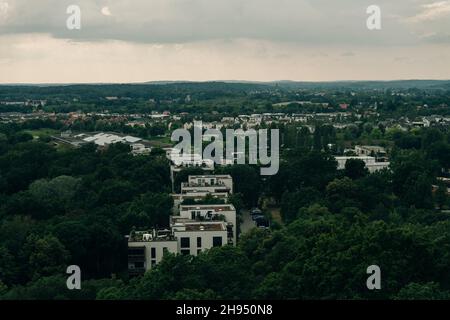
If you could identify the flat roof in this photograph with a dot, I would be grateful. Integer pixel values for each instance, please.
(354, 157)
(161, 235)
(200, 195)
(226, 176)
(188, 186)
(219, 207)
(205, 227)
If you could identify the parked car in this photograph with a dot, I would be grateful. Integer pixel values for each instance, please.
(262, 222)
(256, 217)
(256, 211)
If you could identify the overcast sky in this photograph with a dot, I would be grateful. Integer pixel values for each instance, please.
(145, 40)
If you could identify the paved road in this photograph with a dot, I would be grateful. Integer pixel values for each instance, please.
(247, 222)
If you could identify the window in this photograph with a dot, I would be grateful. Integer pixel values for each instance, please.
(199, 242)
(153, 253)
(136, 251)
(139, 265)
(217, 241)
(185, 242)
(186, 252)
(153, 262)
(199, 251)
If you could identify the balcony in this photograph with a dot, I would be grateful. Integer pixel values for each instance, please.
(136, 258)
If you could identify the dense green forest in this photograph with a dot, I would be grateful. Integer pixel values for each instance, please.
(62, 206)
(212, 100)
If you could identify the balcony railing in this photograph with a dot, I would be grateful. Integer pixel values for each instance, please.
(136, 257)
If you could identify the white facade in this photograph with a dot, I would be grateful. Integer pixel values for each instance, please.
(185, 237)
(209, 212)
(195, 237)
(140, 149)
(211, 181)
(145, 250)
(181, 161)
(195, 196)
(208, 184)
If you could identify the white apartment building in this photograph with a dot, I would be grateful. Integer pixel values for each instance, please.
(369, 150)
(178, 199)
(195, 237)
(370, 162)
(209, 184)
(193, 227)
(209, 212)
(146, 249)
(180, 162)
(378, 152)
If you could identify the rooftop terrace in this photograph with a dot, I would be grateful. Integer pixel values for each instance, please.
(215, 208)
(151, 235)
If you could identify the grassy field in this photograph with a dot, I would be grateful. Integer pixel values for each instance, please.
(42, 132)
(160, 142)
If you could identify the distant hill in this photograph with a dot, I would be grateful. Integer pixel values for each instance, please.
(396, 84)
(159, 90)
(179, 89)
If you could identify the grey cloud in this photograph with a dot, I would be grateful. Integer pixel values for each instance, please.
(180, 21)
(438, 38)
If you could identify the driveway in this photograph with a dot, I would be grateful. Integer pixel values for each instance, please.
(247, 222)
